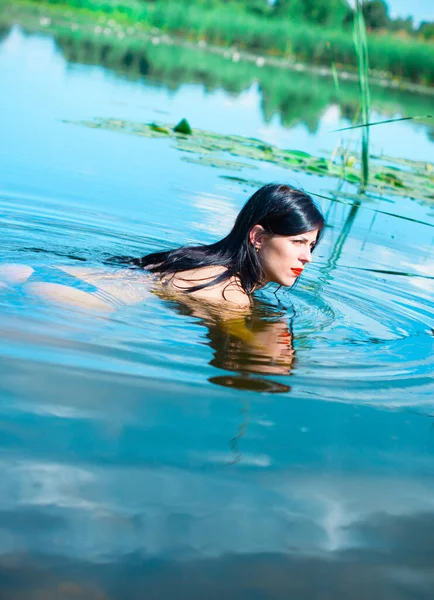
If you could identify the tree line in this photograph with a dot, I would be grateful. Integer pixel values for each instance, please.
(330, 13)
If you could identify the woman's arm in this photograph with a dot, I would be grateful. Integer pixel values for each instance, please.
(14, 274)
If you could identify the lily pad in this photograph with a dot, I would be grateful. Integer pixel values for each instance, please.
(352, 177)
(159, 128)
(390, 179)
(388, 176)
(298, 154)
(293, 161)
(218, 163)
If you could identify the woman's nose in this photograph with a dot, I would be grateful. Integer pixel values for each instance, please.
(306, 255)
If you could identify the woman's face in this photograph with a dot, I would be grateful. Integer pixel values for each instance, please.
(282, 257)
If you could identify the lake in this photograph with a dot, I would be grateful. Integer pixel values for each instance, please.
(153, 454)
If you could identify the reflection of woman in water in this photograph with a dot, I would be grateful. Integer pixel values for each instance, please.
(271, 241)
(247, 344)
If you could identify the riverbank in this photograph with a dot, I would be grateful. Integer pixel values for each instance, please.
(394, 61)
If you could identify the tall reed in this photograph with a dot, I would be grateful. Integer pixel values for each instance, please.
(361, 45)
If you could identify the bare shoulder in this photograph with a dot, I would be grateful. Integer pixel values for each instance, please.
(233, 292)
(226, 292)
(193, 277)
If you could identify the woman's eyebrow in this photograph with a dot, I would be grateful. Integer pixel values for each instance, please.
(306, 240)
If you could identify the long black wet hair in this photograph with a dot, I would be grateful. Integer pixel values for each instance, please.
(280, 209)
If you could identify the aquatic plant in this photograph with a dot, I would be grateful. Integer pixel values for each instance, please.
(183, 127)
(334, 71)
(361, 45)
(389, 176)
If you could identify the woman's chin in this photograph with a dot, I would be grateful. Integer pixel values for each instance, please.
(287, 281)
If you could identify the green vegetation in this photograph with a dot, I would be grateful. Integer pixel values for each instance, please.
(297, 97)
(376, 14)
(361, 44)
(183, 127)
(267, 30)
(388, 176)
(426, 30)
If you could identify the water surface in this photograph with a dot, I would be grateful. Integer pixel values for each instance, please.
(153, 452)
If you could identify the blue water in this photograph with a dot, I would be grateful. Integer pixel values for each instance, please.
(147, 455)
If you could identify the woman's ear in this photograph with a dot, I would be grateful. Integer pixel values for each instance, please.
(256, 236)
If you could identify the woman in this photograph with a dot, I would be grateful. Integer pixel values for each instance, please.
(271, 241)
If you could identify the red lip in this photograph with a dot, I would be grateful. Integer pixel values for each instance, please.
(297, 271)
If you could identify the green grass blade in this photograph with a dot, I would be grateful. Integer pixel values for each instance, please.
(383, 122)
(334, 70)
(361, 45)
